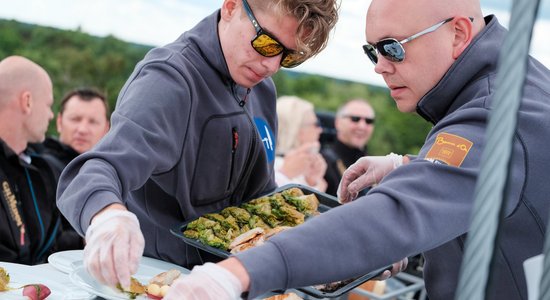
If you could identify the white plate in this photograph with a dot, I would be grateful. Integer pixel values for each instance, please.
(148, 268)
(59, 283)
(63, 260)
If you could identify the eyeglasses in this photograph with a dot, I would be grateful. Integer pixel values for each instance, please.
(268, 46)
(392, 49)
(356, 119)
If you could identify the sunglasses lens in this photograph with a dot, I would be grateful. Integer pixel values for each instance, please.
(391, 49)
(266, 45)
(356, 119)
(370, 51)
(292, 59)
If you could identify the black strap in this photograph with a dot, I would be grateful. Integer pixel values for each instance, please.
(13, 210)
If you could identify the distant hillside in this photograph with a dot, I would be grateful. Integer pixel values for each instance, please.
(74, 58)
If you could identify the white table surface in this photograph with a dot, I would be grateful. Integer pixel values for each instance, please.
(58, 282)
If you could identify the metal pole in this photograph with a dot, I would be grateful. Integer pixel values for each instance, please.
(491, 184)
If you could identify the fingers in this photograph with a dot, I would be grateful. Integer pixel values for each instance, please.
(385, 275)
(122, 261)
(178, 286)
(92, 264)
(399, 266)
(113, 249)
(107, 267)
(359, 168)
(137, 245)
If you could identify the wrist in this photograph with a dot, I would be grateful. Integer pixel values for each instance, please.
(223, 277)
(396, 159)
(106, 209)
(234, 266)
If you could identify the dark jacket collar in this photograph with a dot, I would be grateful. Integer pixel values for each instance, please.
(348, 154)
(458, 85)
(7, 153)
(208, 45)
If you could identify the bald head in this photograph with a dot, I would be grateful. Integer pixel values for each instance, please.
(26, 98)
(19, 74)
(426, 58)
(409, 14)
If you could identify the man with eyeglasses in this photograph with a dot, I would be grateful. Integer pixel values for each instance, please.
(439, 59)
(192, 133)
(354, 126)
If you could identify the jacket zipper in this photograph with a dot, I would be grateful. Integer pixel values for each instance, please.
(234, 144)
(249, 160)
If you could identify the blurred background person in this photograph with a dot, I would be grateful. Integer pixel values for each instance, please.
(29, 219)
(83, 119)
(354, 125)
(297, 152)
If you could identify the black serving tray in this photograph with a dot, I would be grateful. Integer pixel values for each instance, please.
(326, 202)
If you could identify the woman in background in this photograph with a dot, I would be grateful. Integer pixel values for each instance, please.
(298, 159)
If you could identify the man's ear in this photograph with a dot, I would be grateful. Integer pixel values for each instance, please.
(228, 9)
(58, 123)
(463, 28)
(25, 102)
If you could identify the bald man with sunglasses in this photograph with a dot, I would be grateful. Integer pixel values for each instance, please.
(193, 132)
(439, 59)
(354, 125)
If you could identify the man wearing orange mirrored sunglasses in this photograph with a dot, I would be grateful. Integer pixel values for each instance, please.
(192, 132)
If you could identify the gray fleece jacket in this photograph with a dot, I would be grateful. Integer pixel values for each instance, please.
(185, 140)
(425, 206)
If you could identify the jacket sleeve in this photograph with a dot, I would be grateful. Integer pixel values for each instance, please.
(146, 138)
(417, 207)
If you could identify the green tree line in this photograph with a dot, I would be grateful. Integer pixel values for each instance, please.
(75, 59)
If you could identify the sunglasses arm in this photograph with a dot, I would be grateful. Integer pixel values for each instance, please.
(427, 30)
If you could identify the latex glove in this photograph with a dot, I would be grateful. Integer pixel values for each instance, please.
(209, 281)
(114, 246)
(366, 172)
(396, 268)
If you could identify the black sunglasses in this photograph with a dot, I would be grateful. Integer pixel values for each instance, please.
(266, 45)
(356, 119)
(392, 49)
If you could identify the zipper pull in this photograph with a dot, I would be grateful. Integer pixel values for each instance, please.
(235, 135)
(22, 235)
(243, 101)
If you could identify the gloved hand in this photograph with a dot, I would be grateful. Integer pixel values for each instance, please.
(396, 268)
(365, 172)
(209, 281)
(114, 246)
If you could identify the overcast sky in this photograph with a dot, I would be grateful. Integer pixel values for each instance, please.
(157, 22)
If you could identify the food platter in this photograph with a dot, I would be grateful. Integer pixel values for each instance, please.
(326, 202)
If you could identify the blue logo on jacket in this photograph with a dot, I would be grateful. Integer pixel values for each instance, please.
(268, 138)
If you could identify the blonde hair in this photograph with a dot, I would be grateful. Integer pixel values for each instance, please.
(291, 111)
(316, 18)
